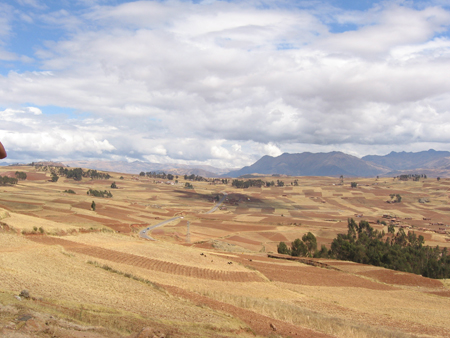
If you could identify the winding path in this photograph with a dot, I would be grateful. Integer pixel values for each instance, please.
(143, 233)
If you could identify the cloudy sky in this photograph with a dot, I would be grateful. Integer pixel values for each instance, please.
(222, 82)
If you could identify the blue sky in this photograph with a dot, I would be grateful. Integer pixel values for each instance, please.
(222, 82)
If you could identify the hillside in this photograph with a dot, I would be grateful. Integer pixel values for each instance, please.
(312, 164)
(209, 274)
(430, 159)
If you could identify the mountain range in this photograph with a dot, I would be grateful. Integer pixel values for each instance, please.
(431, 163)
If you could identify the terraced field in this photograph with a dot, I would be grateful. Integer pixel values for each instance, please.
(149, 263)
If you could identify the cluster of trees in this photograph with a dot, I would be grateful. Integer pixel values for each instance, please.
(99, 193)
(363, 244)
(161, 175)
(70, 191)
(306, 247)
(257, 183)
(94, 174)
(5, 180)
(20, 175)
(54, 178)
(193, 177)
(78, 173)
(188, 186)
(218, 180)
(247, 184)
(414, 177)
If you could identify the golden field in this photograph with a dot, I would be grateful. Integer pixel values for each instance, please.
(89, 274)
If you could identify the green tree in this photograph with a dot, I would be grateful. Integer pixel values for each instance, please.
(55, 177)
(20, 175)
(311, 243)
(391, 229)
(113, 185)
(93, 205)
(298, 248)
(282, 248)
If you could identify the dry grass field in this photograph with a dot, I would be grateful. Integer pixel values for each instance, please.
(89, 274)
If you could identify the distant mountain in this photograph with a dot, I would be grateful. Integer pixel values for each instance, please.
(136, 167)
(430, 159)
(309, 164)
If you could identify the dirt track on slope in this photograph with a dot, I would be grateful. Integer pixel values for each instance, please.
(259, 323)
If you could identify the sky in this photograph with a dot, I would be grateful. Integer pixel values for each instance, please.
(222, 83)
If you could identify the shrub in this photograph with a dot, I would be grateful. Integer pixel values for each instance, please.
(98, 193)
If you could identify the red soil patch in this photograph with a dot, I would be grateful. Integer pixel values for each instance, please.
(243, 240)
(267, 210)
(96, 219)
(37, 177)
(113, 212)
(274, 219)
(120, 227)
(149, 263)
(82, 205)
(30, 176)
(312, 193)
(242, 210)
(441, 293)
(273, 236)
(231, 227)
(313, 276)
(257, 322)
(401, 278)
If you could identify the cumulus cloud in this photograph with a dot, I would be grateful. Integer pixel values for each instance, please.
(31, 135)
(224, 83)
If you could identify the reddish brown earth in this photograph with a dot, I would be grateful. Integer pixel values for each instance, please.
(243, 240)
(232, 227)
(273, 236)
(259, 323)
(31, 176)
(307, 275)
(400, 278)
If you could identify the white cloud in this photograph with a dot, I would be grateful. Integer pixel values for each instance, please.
(34, 110)
(392, 26)
(28, 132)
(225, 83)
